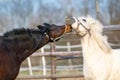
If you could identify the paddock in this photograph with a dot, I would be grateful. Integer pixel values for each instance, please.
(68, 52)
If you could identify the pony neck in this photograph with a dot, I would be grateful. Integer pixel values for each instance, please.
(25, 44)
(94, 43)
(39, 40)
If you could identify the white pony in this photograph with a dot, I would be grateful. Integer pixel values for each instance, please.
(101, 62)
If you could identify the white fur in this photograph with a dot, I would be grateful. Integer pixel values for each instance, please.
(100, 61)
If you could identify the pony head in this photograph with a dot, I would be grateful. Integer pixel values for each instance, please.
(84, 25)
(54, 32)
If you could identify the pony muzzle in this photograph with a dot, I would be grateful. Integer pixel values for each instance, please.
(70, 20)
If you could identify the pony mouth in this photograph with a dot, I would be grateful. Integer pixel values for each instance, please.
(69, 20)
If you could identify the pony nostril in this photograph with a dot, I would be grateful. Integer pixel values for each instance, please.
(70, 20)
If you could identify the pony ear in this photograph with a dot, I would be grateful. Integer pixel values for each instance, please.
(47, 24)
(42, 28)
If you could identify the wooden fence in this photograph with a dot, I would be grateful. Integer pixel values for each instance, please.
(53, 54)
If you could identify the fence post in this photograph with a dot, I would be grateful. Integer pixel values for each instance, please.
(53, 59)
(30, 66)
(69, 60)
(43, 62)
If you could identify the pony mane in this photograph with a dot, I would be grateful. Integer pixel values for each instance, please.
(21, 34)
(102, 42)
(94, 24)
(20, 31)
(16, 32)
(96, 29)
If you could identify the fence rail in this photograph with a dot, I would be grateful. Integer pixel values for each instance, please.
(50, 76)
(70, 53)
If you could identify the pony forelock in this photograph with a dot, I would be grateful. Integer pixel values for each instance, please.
(94, 24)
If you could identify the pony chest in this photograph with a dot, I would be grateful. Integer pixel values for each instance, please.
(93, 62)
(98, 60)
(96, 64)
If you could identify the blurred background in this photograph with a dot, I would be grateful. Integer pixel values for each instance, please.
(29, 13)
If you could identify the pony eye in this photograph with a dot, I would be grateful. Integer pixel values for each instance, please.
(84, 20)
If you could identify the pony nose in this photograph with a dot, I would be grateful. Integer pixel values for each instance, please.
(70, 20)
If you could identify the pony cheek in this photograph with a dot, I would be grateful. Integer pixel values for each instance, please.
(55, 34)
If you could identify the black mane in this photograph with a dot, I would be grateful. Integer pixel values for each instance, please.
(16, 32)
(21, 31)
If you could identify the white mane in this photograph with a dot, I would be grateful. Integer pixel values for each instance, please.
(96, 29)
(100, 62)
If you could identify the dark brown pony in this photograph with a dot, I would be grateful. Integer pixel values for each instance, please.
(18, 44)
